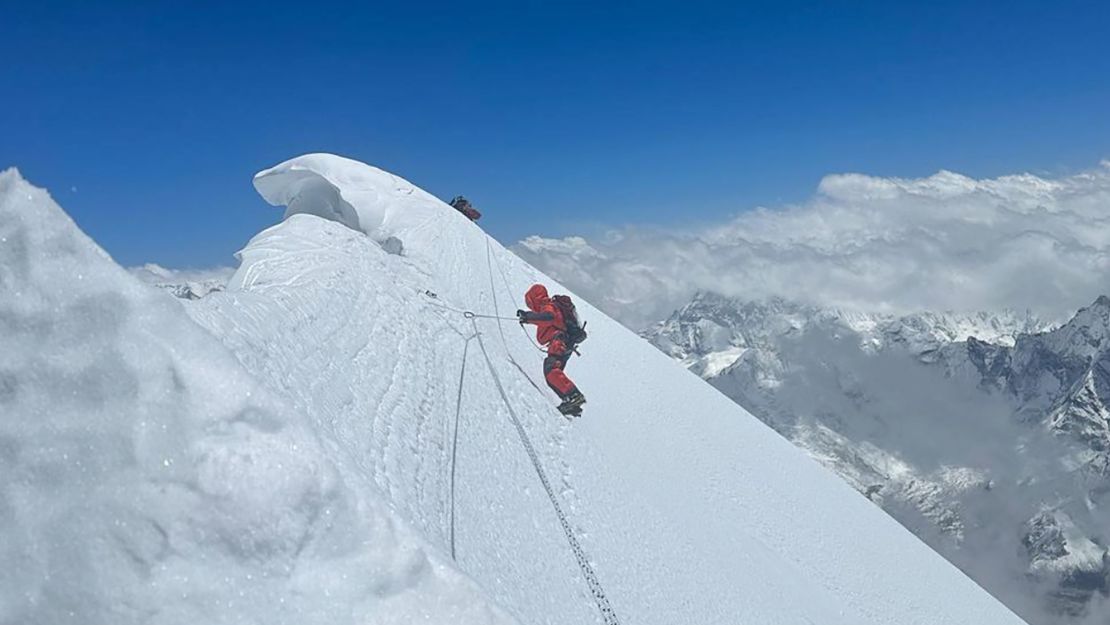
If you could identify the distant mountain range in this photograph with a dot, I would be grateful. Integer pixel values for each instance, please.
(188, 285)
(985, 434)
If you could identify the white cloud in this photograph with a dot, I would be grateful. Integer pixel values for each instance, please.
(945, 242)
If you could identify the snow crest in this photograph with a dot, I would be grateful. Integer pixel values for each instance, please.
(359, 196)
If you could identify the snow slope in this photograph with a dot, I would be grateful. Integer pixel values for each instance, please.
(689, 509)
(684, 508)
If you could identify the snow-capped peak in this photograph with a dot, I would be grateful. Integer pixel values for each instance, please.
(957, 424)
(710, 326)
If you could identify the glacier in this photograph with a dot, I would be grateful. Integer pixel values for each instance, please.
(333, 439)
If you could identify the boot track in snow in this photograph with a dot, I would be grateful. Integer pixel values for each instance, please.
(607, 613)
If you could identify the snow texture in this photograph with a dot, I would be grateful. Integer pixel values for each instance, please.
(300, 469)
(147, 477)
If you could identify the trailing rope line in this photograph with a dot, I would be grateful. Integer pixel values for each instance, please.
(493, 292)
(439, 303)
(504, 341)
(465, 313)
(455, 442)
(608, 616)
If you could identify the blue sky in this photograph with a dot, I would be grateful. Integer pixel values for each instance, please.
(147, 122)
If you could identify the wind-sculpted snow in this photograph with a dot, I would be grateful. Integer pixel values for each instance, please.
(147, 477)
(358, 196)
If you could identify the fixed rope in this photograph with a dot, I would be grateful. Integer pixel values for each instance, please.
(496, 309)
(439, 303)
(493, 292)
(455, 437)
(608, 615)
(435, 299)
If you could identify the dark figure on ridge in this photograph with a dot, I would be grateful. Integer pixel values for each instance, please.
(558, 329)
(464, 206)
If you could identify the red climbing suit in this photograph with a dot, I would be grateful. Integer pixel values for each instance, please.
(550, 331)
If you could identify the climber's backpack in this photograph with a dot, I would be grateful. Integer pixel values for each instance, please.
(576, 332)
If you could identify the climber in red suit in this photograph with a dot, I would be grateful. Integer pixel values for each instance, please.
(551, 332)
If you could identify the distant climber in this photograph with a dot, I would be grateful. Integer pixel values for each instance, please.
(464, 206)
(557, 327)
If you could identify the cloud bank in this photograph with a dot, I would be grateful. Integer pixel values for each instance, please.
(892, 245)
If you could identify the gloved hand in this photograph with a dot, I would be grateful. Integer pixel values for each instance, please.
(520, 316)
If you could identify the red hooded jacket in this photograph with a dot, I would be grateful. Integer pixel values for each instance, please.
(546, 316)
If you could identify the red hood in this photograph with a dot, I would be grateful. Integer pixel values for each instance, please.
(536, 297)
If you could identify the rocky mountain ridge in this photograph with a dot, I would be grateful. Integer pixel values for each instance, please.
(987, 434)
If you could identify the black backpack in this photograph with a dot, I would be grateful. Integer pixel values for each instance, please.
(576, 332)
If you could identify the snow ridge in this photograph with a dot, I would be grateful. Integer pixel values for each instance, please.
(635, 474)
(312, 480)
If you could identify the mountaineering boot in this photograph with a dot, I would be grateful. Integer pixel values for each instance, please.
(572, 405)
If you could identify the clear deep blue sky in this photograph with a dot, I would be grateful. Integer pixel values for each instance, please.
(147, 120)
